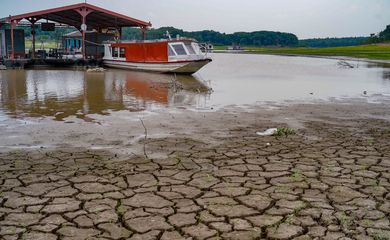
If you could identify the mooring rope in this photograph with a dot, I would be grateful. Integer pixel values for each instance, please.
(98, 44)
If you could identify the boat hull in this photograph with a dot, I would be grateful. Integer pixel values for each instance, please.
(185, 67)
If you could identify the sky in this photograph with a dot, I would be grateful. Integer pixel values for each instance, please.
(304, 18)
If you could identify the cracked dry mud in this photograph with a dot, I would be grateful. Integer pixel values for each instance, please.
(333, 187)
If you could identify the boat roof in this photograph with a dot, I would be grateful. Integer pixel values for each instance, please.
(73, 34)
(153, 41)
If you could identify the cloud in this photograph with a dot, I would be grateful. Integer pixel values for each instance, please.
(305, 18)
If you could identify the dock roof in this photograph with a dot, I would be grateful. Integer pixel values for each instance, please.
(97, 17)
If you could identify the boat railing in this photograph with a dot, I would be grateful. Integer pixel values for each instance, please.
(150, 41)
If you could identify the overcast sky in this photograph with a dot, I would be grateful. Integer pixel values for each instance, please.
(305, 18)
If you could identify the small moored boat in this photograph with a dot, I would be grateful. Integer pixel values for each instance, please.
(181, 56)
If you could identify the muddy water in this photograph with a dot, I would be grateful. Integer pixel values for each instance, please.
(64, 93)
(235, 79)
(245, 79)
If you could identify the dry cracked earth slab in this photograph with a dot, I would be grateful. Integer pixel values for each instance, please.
(334, 186)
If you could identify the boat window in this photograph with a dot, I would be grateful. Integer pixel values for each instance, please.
(170, 51)
(115, 53)
(190, 48)
(122, 53)
(179, 49)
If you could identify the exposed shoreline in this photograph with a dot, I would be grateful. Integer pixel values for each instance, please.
(205, 175)
(122, 130)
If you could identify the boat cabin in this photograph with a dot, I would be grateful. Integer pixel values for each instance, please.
(154, 51)
(165, 56)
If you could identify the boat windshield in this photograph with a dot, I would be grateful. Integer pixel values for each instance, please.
(190, 48)
(183, 48)
(179, 49)
(170, 51)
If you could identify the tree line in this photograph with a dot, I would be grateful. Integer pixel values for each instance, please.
(255, 39)
(332, 42)
(258, 38)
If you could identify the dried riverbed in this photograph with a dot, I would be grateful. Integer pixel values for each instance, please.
(206, 175)
(129, 155)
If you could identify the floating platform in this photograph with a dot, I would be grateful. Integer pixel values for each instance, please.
(32, 63)
(15, 63)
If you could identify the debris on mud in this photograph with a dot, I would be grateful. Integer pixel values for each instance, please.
(277, 132)
(268, 132)
(98, 69)
(345, 64)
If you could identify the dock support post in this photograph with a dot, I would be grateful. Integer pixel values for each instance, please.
(33, 40)
(83, 28)
(1, 44)
(143, 30)
(33, 20)
(83, 32)
(13, 23)
(13, 26)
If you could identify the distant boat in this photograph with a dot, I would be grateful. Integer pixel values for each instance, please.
(235, 48)
(182, 56)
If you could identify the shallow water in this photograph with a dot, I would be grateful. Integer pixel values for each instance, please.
(245, 79)
(63, 93)
(236, 79)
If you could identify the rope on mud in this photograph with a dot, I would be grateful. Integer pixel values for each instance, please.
(146, 138)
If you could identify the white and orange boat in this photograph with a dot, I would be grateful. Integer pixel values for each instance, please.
(182, 56)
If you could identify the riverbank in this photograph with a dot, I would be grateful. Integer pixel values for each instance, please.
(206, 175)
(380, 52)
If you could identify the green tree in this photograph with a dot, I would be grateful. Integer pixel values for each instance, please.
(259, 38)
(385, 34)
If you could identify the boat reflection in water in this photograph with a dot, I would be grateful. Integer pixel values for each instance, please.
(64, 93)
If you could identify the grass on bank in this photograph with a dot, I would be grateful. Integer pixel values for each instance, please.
(39, 45)
(285, 132)
(377, 52)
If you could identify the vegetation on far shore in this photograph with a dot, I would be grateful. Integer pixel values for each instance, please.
(376, 52)
(47, 44)
(333, 42)
(257, 38)
(377, 46)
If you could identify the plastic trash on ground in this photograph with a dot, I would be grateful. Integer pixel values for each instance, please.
(96, 69)
(268, 132)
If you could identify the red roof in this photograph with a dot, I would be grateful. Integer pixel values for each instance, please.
(98, 18)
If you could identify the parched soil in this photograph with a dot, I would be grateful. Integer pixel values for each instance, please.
(331, 180)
